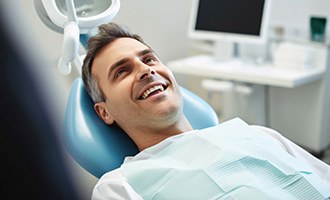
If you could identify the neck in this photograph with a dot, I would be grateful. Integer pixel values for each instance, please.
(147, 137)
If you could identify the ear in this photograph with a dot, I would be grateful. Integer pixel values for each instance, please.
(103, 113)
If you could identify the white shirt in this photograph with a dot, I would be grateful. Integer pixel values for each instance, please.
(113, 185)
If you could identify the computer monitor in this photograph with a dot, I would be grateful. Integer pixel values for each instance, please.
(229, 21)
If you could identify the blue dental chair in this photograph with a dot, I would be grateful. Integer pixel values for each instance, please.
(100, 148)
(96, 146)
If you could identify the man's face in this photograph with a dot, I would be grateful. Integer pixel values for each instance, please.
(140, 91)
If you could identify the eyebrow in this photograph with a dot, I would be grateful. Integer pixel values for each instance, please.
(125, 60)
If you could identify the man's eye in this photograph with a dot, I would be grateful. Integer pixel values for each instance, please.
(121, 71)
(150, 59)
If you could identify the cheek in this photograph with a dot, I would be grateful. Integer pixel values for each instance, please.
(118, 108)
(122, 111)
(120, 90)
(166, 72)
(118, 96)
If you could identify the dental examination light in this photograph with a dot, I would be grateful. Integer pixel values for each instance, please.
(76, 20)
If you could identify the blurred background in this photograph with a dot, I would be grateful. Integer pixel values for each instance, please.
(34, 92)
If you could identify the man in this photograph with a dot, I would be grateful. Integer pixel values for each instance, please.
(131, 87)
(132, 80)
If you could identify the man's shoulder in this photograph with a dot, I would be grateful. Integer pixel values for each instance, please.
(112, 176)
(113, 185)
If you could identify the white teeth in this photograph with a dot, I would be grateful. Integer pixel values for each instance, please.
(152, 89)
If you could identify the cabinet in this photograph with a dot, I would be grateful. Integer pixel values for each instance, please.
(297, 101)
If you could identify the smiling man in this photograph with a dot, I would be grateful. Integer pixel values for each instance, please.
(137, 91)
(131, 87)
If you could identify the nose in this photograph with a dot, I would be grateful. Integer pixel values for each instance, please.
(145, 72)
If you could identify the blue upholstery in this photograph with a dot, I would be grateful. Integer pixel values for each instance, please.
(100, 148)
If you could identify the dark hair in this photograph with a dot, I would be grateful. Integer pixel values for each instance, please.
(107, 34)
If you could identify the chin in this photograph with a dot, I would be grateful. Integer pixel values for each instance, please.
(172, 111)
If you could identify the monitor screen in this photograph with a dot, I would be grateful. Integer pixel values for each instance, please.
(235, 20)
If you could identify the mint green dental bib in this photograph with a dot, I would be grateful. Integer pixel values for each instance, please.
(229, 161)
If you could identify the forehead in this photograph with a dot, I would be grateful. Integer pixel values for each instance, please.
(122, 47)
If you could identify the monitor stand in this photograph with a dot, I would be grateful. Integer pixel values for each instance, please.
(224, 50)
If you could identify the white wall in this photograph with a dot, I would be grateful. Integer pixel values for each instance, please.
(163, 25)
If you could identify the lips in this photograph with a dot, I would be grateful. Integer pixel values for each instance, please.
(152, 90)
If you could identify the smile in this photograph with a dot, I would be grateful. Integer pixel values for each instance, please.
(152, 91)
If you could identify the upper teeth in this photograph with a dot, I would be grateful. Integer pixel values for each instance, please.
(152, 89)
